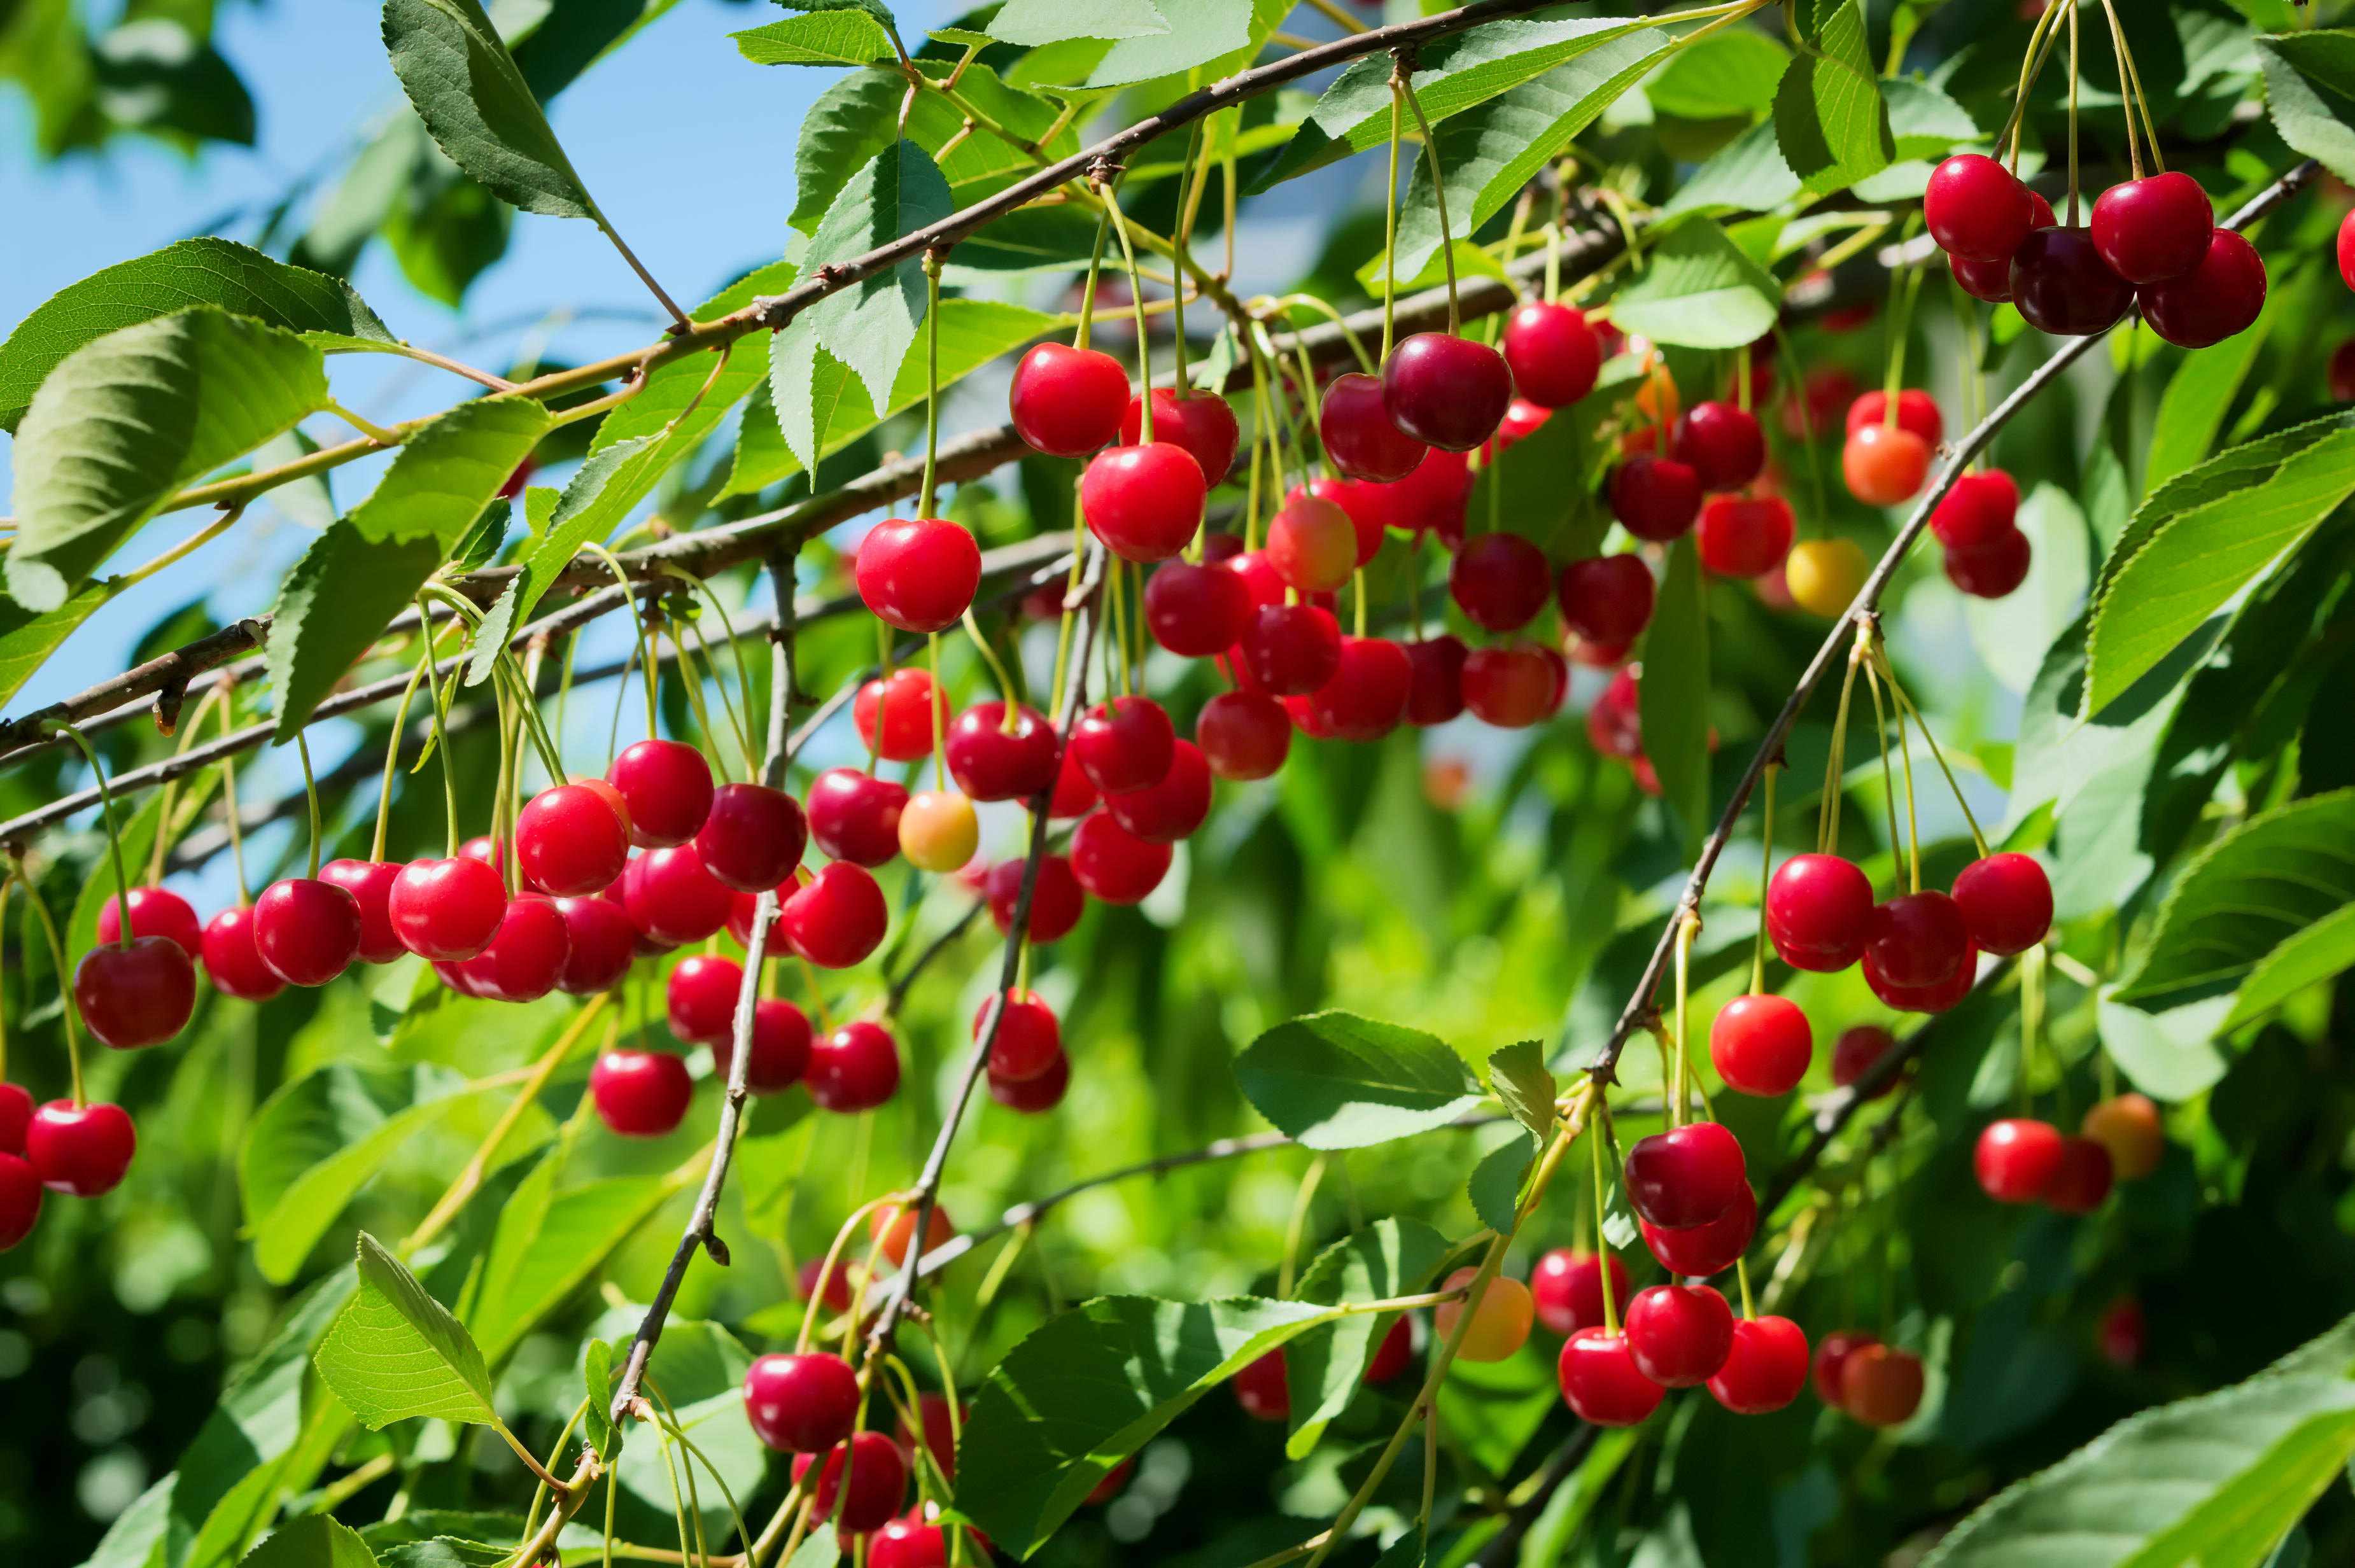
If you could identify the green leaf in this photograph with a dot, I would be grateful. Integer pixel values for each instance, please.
(2247, 893)
(2304, 959)
(307, 502)
(1519, 1076)
(450, 470)
(1925, 123)
(330, 610)
(1699, 289)
(1728, 73)
(1327, 1365)
(2310, 92)
(875, 8)
(1495, 1186)
(2198, 396)
(685, 400)
(859, 117)
(699, 1368)
(480, 110)
(1212, 36)
(1333, 1080)
(2168, 1056)
(1829, 116)
(314, 1541)
(1090, 1387)
(1672, 700)
(396, 1353)
(597, 1428)
(26, 640)
(201, 272)
(549, 1243)
(1531, 495)
(1035, 22)
(2012, 632)
(595, 499)
(871, 324)
(124, 422)
(1747, 175)
(2213, 1481)
(830, 38)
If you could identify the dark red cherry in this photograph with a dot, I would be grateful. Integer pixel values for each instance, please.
(1722, 443)
(1979, 511)
(233, 964)
(1262, 584)
(1976, 209)
(2121, 1334)
(1880, 1386)
(1917, 411)
(2060, 282)
(1292, 649)
(2016, 1160)
(157, 912)
(1434, 680)
(1744, 536)
(1075, 795)
(1033, 1097)
(1067, 401)
(137, 994)
(1761, 1045)
(989, 764)
(895, 715)
(1935, 998)
(1243, 735)
(568, 842)
(1354, 424)
(1616, 725)
(855, 816)
(1988, 281)
(1818, 909)
(598, 944)
(1607, 598)
(877, 1486)
(20, 1200)
(1686, 1176)
(640, 1093)
(2154, 229)
(2083, 1179)
(1196, 611)
(1124, 744)
(699, 998)
(1567, 1289)
(307, 930)
(918, 573)
(1113, 864)
(1499, 581)
(1513, 686)
(1392, 1354)
(80, 1152)
(1446, 392)
(1431, 499)
(1993, 569)
(1201, 423)
(1832, 1353)
(836, 917)
(753, 838)
(1600, 1382)
(800, 1403)
(835, 1297)
(1699, 1250)
(1655, 498)
(1175, 807)
(1029, 1039)
(2006, 902)
(673, 899)
(1144, 502)
(1766, 1367)
(668, 787)
(1917, 939)
(856, 1068)
(1056, 902)
(1679, 1335)
(1853, 1054)
(527, 958)
(780, 1047)
(370, 884)
(2218, 299)
(1262, 1389)
(15, 1115)
(1366, 696)
(909, 1543)
(1554, 356)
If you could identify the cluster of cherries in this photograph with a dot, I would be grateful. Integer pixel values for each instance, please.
(2153, 244)
(2022, 1160)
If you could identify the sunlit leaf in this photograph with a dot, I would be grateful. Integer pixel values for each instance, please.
(1673, 696)
(1333, 1080)
(396, 1353)
(332, 608)
(1326, 1366)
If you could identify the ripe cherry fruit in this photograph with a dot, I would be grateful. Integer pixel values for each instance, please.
(1029, 1039)
(2083, 1178)
(1699, 1250)
(1722, 443)
(1500, 581)
(1818, 909)
(802, 1403)
(1917, 410)
(1917, 939)
(1686, 1176)
(2220, 298)
(1202, 423)
(136, 993)
(1857, 1048)
(1032, 1096)
(918, 574)
(82, 1151)
(2006, 901)
(1514, 685)
(1447, 392)
(907, 1543)
(896, 715)
(1144, 502)
(370, 884)
(1976, 209)
(1761, 1044)
(1764, 1370)
(1744, 536)
(939, 831)
(1243, 735)
(890, 1229)
(1932, 998)
(1311, 544)
(1566, 1288)
(1291, 650)
(667, 786)
(878, 1483)
(856, 1068)
(1391, 1356)
(1067, 401)
(672, 899)
(1057, 900)
(1553, 355)
(1500, 1317)
(527, 958)
(15, 1115)
(1124, 744)
(1656, 498)
(1368, 694)
(307, 930)
(1880, 1386)
(699, 998)
(640, 1093)
(1262, 1388)
(855, 816)
(20, 1200)
(2060, 282)
(1599, 1381)
(154, 912)
(1977, 511)
(780, 1047)
(1607, 598)
(1884, 464)
(1196, 611)
(836, 917)
(232, 962)
(2153, 229)
(1175, 807)
(1832, 1353)
(1357, 434)
(991, 760)
(1112, 864)
(1434, 692)
(2016, 1160)
(752, 839)
(1993, 569)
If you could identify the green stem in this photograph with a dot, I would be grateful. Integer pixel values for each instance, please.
(441, 741)
(638, 622)
(1766, 880)
(1087, 289)
(1298, 1227)
(228, 797)
(65, 987)
(928, 496)
(392, 748)
(1438, 196)
(989, 657)
(1136, 304)
(1189, 193)
(1679, 1090)
(1389, 219)
(114, 841)
(310, 795)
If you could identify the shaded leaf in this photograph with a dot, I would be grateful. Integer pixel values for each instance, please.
(446, 474)
(871, 324)
(307, 502)
(396, 1353)
(1747, 175)
(26, 640)
(595, 499)
(2305, 958)
(330, 610)
(314, 1541)
(1333, 1080)
(1728, 73)
(1495, 1186)
(2310, 93)
(2171, 1055)
(1699, 289)
(1519, 1076)
(549, 1243)
(1326, 1366)
(2198, 394)
(2012, 632)
(1829, 116)
(482, 113)
(1672, 698)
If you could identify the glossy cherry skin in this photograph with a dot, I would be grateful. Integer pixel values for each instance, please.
(1500, 1318)
(1196, 611)
(1431, 499)
(640, 1093)
(1884, 464)
(1311, 544)
(1515, 686)
(668, 787)
(2083, 1178)
(1699, 1250)
(918, 574)
(1291, 650)
(1918, 939)
(1599, 1381)
(20, 1200)
(1202, 423)
(673, 899)
(856, 1068)
(370, 884)
(890, 1227)
(1242, 734)
(1880, 1386)
(838, 1283)
(2016, 1160)
(1056, 902)
(15, 1115)
(81, 1153)
(1976, 209)
(988, 763)
(855, 816)
(1144, 502)
(307, 930)
(2150, 231)
(1567, 1289)
(2006, 901)
(1607, 598)
(1936, 999)
(1262, 1389)
(2060, 282)
(1980, 509)
(528, 959)
(1988, 281)
(2218, 299)
(1858, 1047)
(1368, 694)
(154, 912)
(836, 917)
(1686, 1176)
(1722, 443)
(1499, 581)
(1075, 794)
(598, 944)
(875, 1490)
(905, 1543)
(1553, 355)
(1392, 1354)
(1992, 570)
(1175, 807)
(699, 998)
(1124, 744)
(2127, 1125)
(1353, 424)
(1832, 1353)
(1032, 1096)
(896, 717)
(753, 838)
(233, 964)
(1434, 692)
(568, 842)
(1029, 1039)
(1656, 498)
(1744, 536)
(1917, 410)
(1817, 908)
(1447, 392)
(137, 994)
(1679, 1335)
(1112, 864)
(780, 1047)
(1766, 1367)
(800, 1403)
(1762, 1045)
(1067, 401)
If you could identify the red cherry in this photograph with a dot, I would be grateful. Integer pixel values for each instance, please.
(2060, 282)
(568, 842)
(836, 917)
(1554, 356)
(1917, 939)
(1392, 1354)
(1500, 581)
(667, 786)
(2016, 1160)
(905, 1543)
(1067, 401)
(1446, 392)
(1597, 656)
(1434, 680)
(1699, 1250)
(877, 1486)
(1514, 685)
(1988, 281)
(2006, 902)
(1113, 864)
(1810, 413)
(1368, 508)
(1976, 209)
(856, 1068)
(835, 1297)
(307, 930)
(1880, 1386)
(1917, 410)
(1979, 511)
(1567, 1286)
(15, 1115)
(1033, 1097)
(1144, 502)
(1306, 719)
(780, 1047)
(2082, 1178)
(370, 884)
(1764, 1370)
(1744, 536)
(1607, 598)
(1196, 611)
(232, 963)
(1124, 744)
(1993, 569)
(918, 574)
(1431, 498)
(1614, 725)
(1203, 423)
(1368, 695)
(1679, 1335)
(1600, 1382)
(1291, 650)
(1075, 794)
(855, 816)
(1854, 1053)
(1818, 907)
(2342, 372)
(157, 912)
(139, 994)
(1029, 1039)
(753, 838)
(640, 1093)
(1832, 1353)
(80, 1152)
(1522, 420)
(1262, 1389)
(699, 998)
(1722, 443)
(1353, 424)
(20, 1200)
(2122, 1335)
(1114, 1478)
(1243, 735)
(1686, 1176)
(1656, 498)
(673, 899)
(1936, 999)
(2151, 230)
(1056, 903)
(1884, 464)
(800, 1403)
(2218, 299)
(598, 944)
(890, 1227)
(1175, 807)
(902, 704)
(989, 764)
(1311, 544)
(1761, 1045)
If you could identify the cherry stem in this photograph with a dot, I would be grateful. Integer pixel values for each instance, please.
(503, 853)
(1680, 1093)
(1554, 259)
(2073, 114)
(740, 723)
(1912, 819)
(57, 957)
(441, 743)
(1765, 878)
(7, 884)
(1602, 1219)
(927, 497)
(1835, 777)
(1415, 587)
(1904, 285)
(392, 747)
(115, 839)
(1402, 75)
(1905, 706)
(1088, 289)
(1390, 217)
(1263, 435)
(310, 795)
(989, 657)
(1742, 1275)
(228, 795)
(1358, 598)
(188, 727)
(1190, 197)
(1741, 379)
(2041, 39)
(1136, 304)
(1307, 381)
(940, 738)
(2125, 85)
(1325, 308)
(1288, 1271)
(1888, 779)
